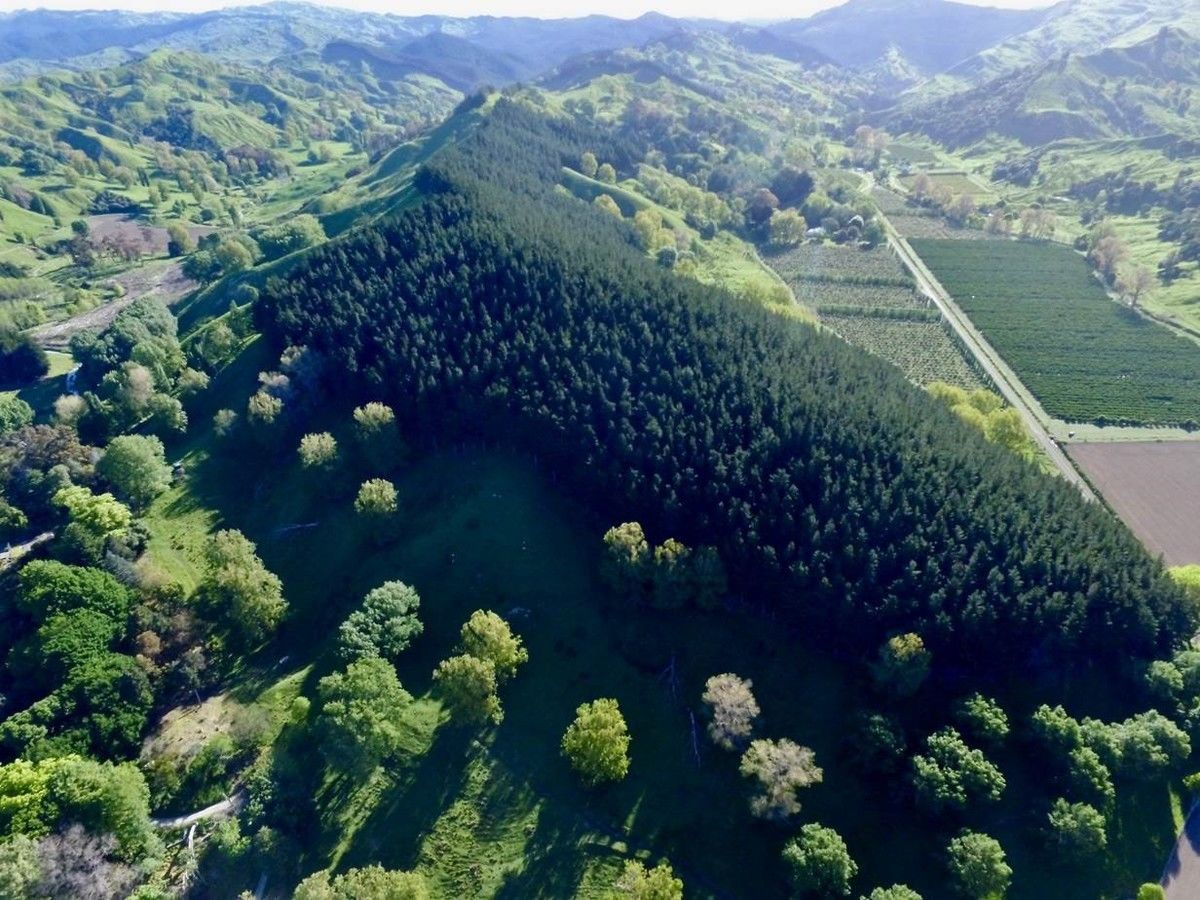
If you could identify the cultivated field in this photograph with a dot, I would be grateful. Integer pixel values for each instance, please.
(832, 262)
(868, 297)
(1085, 357)
(1154, 487)
(923, 351)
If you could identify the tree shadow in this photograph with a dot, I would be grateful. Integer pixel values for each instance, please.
(392, 834)
(554, 860)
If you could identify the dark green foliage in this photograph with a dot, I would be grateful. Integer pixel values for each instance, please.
(819, 863)
(811, 466)
(21, 360)
(385, 624)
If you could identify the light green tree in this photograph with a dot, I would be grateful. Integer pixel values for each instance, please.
(638, 882)
(978, 867)
(319, 451)
(597, 742)
(362, 715)
(136, 467)
(368, 883)
(468, 685)
(376, 499)
(238, 589)
(487, 636)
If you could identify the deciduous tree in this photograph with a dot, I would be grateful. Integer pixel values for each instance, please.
(780, 770)
(819, 862)
(597, 742)
(732, 710)
(362, 714)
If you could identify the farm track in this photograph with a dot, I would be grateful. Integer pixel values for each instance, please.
(1001, 375)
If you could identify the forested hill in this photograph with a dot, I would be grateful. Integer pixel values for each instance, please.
(502, 309)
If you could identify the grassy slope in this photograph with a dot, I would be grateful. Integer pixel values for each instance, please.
(502, 815)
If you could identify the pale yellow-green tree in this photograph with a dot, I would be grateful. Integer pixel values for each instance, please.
(597, 742)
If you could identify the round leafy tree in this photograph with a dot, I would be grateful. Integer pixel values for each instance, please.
(597, 742)
(818, 862)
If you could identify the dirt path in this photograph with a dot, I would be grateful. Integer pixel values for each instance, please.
(227, 807)
(166, 281)
(995, 367)
(15, 552)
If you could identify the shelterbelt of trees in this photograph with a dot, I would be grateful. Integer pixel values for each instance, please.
(501, 308)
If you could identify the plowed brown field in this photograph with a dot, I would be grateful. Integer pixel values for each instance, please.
(1154, 488)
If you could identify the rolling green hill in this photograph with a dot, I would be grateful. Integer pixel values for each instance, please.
(1075, 27)
(1143, 89)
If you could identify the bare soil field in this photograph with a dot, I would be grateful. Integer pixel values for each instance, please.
(1154, 488)
(150, 240)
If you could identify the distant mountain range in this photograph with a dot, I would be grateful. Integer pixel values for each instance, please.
(1142, 90)
(892, 45)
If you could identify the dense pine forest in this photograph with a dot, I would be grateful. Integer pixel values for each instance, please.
(836, 491)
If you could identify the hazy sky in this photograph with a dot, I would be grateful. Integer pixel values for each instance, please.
(720, 9)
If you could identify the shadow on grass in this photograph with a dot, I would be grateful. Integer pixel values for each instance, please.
(393, 832)
(554, 864)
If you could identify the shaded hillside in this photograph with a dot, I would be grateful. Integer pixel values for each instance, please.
(933, 34)
(455, 61)
(1136, 91)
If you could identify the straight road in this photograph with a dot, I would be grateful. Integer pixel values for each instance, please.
(996, 369)
(1181, 875)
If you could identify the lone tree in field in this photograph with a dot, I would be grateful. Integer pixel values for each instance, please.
(376, 500)
(977, 866)
(487, 636)
(378, 436)
(818, 862)
(640, 883)
(384, 625)
(318, 452)
(362, 714)
(780, 770)
(597, 742)
(903, 664)
(468, 685)
(732, 710)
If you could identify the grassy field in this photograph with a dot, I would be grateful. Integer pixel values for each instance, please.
(1085, 357)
